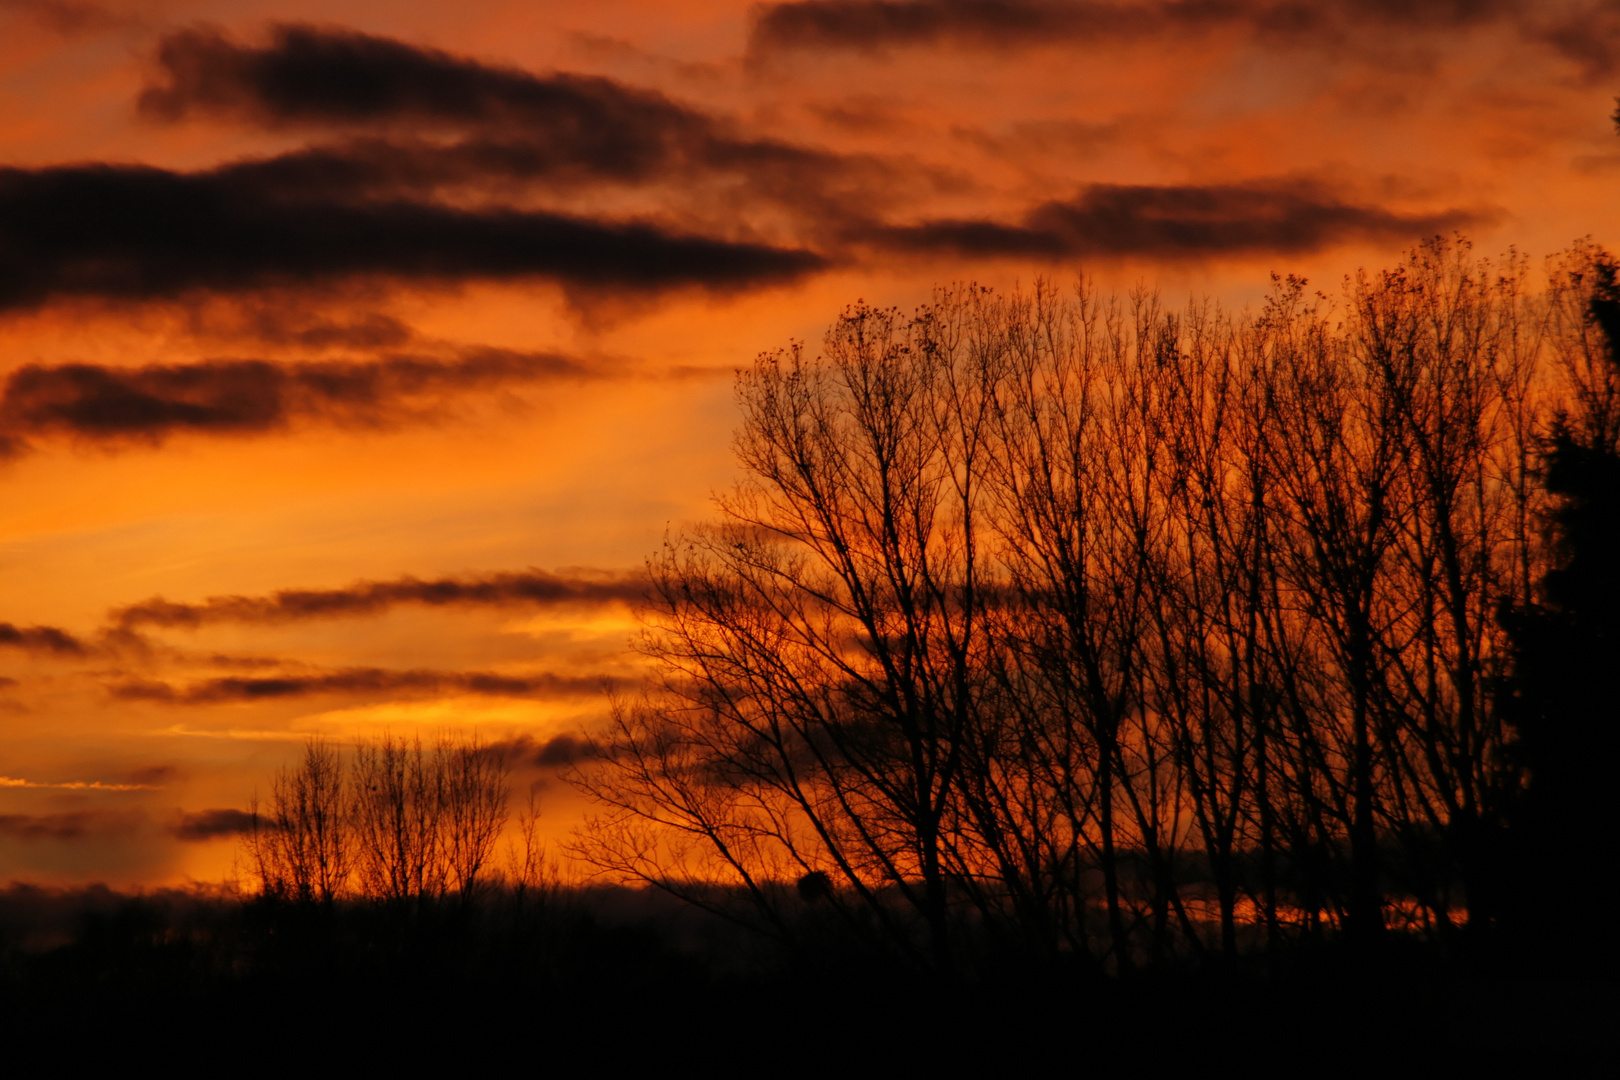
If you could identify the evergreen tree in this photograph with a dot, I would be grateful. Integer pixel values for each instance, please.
(1560, 692)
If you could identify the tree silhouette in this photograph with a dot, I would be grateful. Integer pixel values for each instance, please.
(1106, 629)
(1560, 691)
(398, 820)
(302, 846)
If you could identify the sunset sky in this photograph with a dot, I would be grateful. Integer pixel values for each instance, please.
(356, 355)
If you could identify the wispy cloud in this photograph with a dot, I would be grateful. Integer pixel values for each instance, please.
(211, 824)
(1176, 220)
(71, 17)
(69, 825)
(120, 405)
(41, 639)
(1584, 31)
(509, 588)
(75, 785)
(414, 121)
(362, 681)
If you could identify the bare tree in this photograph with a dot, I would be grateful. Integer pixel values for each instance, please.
(301, 847)
(399, 789)
(821, 649)
(403, 822)
(1036, 606)
(475, 794)
(530, 872)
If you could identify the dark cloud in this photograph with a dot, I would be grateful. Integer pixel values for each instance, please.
(212, 824)
(553, 753)
(528, 587)
(61, 826)
(131, 232)
(878, 24)
(731, 173)
(1185, 220)
(373, 331)
(41, 639)
(562, 750)
(359, 681)
(556, 752)
(67, 825)
(1587, 35)
(869, 25)
(290, 325)
(113, 405)
(155, 776)
(332, 75)
(521, 124)
(873, 24)
(511, 127)
(373, 168)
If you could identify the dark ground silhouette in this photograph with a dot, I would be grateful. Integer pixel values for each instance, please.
(613, 979)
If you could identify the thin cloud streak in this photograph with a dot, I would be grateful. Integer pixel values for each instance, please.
(117, 405)
(511, 588)
(204, 825)
(41, 639)
(1175, 220)
(332, 75)
(359, 681)
(67, 825)
(75, 785)
(562, 128)
(1586, 32)
(418, 123)
(70, 19)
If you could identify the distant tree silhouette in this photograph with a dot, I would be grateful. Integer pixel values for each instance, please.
(302, 847)
(402, 821)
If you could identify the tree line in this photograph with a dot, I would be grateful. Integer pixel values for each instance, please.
(1086, 626)
(393, 819)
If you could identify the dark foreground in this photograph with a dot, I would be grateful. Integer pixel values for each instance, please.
(613, 982)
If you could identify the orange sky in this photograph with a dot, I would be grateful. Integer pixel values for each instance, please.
(305, 296)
